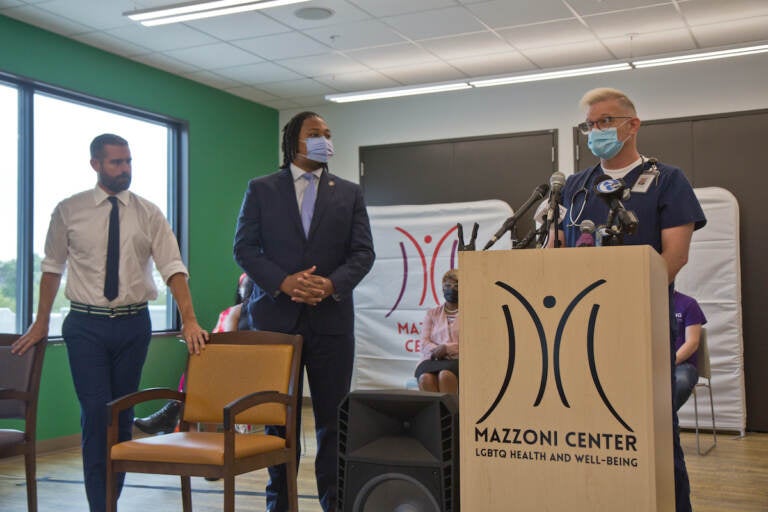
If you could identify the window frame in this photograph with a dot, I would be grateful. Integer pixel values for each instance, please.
(177, 193)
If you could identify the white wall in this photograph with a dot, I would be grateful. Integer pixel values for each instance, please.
(716, 86)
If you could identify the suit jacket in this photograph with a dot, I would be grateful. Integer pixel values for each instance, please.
(270, 245)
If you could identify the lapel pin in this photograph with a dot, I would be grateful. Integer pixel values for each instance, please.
(331, 183)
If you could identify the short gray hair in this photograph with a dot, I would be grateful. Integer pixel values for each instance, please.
(604, 94)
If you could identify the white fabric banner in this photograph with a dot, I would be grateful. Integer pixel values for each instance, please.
(415, 245)
(713, 277)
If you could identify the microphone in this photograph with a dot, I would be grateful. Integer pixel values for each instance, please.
(613, 191)
(556, 183)
(538, 194)
(587, 238)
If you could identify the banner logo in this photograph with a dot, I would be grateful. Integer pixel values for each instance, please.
(427, 270)
(550, 302)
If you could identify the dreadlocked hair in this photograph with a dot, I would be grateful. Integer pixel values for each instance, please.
(291, 136)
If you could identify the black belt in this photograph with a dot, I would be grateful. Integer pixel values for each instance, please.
(129, 310)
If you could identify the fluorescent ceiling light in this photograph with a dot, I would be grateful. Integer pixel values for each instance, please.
(693, 57)
(550, 75)
(395, 92)
(197, 10)
(544, 75)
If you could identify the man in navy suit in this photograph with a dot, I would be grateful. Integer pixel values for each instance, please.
(306, 243)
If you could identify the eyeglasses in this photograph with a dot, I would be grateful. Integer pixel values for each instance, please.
(601, 124)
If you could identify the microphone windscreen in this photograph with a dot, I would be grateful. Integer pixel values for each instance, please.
(556, 181)
(587, 226)
(586, 240)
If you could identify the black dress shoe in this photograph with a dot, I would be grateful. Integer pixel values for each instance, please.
(162, 421)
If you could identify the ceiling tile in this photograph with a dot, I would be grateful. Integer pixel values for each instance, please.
(46, 20)
(391, 56)
(283, 46)
(436, 23)
(310, 101)
(162, 38)
(241, 26)
(503, 13)
(466, 45)
(296, 88)
(99, 15)
(280, 104)
(495, 64)
(424, 73)
(547, 34)
(259, 73)
(395, 7)
(212, 79)
(251, 94)
(752, 30)
(360, 81)
(573, 54)
(343, 12)
(319, 65)
(214, 56)
(587, 7)
(705, 12)
(350, 36)
(648, 44)
(638, 21)
(111, 44)
(164, 62)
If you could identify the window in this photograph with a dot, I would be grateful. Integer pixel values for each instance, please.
(56, 167)
(9, 101)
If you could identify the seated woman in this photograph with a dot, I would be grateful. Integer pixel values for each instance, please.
(438, 370)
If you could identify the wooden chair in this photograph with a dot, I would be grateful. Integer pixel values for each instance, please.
(19, 389)
(240, 377)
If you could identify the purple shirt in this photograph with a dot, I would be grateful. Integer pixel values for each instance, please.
(687, 312)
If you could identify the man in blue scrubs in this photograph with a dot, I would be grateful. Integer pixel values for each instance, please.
(660, 196)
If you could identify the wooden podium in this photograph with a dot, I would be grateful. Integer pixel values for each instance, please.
(565, 381)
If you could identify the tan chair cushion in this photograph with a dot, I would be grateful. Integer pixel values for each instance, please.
(193, 447)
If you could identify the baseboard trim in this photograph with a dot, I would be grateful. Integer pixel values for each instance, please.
(58, 443)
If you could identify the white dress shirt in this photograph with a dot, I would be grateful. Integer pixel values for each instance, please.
(77, 236)
(301, 184)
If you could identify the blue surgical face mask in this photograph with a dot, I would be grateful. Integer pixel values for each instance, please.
(605, 144)
(451, 294)
(319, 149)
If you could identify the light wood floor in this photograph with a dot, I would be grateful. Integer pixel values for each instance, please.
(732, 477)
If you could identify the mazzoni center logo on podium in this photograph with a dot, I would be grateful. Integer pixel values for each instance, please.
(550, 302)
(545, 444)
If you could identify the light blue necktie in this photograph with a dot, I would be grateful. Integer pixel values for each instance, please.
(308, 202)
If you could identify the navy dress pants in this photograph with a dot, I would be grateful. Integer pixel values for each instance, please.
(106, 356)
(328, 360)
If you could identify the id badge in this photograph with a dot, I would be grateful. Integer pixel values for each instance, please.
(643, 183)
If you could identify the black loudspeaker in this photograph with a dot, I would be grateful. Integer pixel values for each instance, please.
(398, 452)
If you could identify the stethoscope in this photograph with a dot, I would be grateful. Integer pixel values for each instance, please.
(584, 191)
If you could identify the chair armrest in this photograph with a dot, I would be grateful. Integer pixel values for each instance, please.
(235, 407)
(145, 395)
(125, 402)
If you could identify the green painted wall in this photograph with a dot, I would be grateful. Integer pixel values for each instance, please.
(230, 141)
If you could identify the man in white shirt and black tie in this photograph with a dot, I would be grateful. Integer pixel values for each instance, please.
(107, 236)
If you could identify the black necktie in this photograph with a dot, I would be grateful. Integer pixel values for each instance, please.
(113, 251)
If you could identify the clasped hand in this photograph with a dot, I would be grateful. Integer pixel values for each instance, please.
(307, 287)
